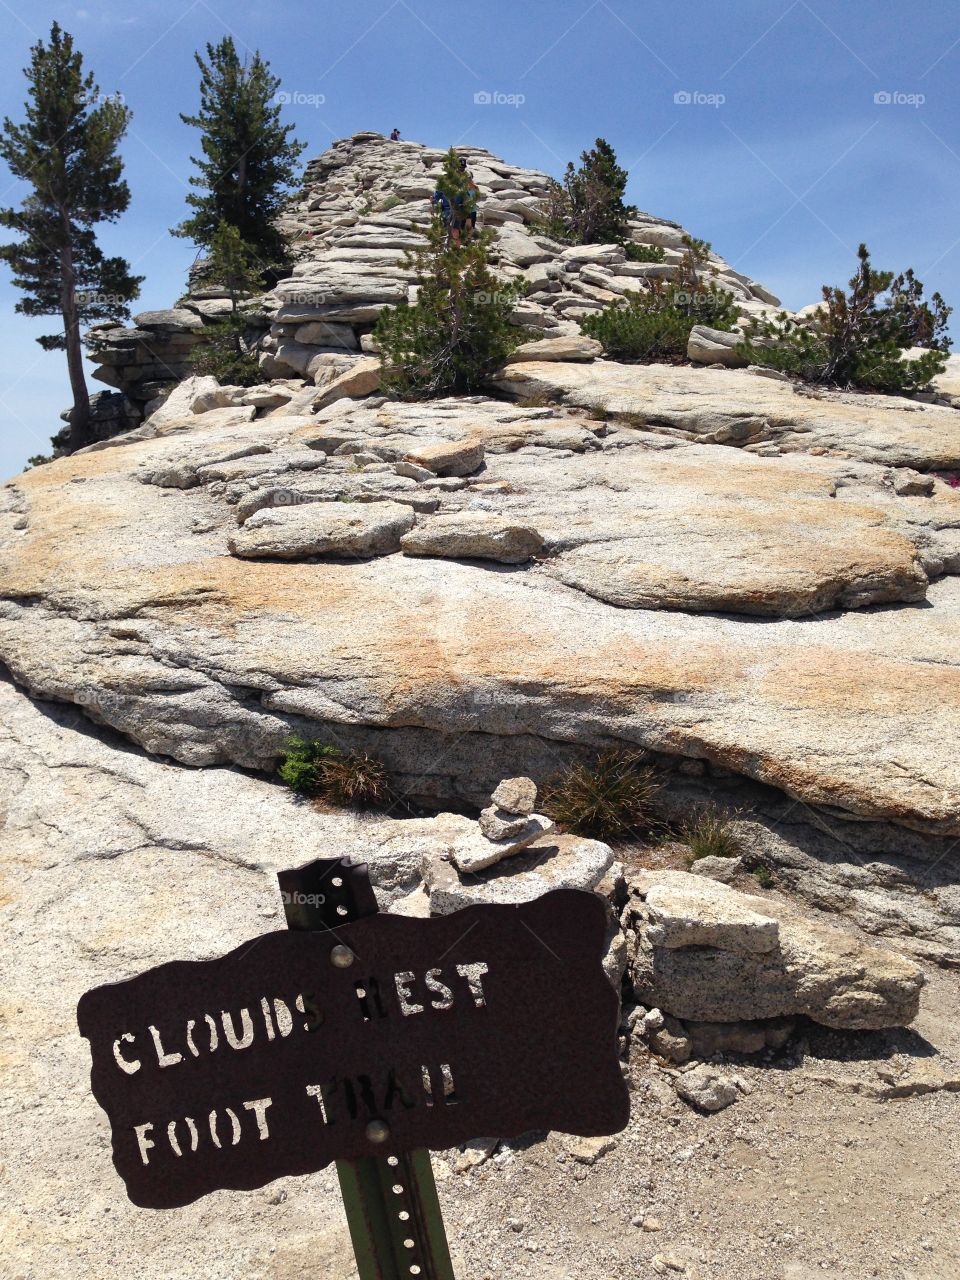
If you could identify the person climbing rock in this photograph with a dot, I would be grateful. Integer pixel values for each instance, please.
(440, 200)
(456, 198)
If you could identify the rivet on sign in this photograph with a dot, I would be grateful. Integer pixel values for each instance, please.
(377, 1131)
(342, 956)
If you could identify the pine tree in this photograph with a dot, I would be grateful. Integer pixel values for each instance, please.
(67, 150)
(859, 336)
(588, 207)
(225, 353)
(249, 160)
(458, 331)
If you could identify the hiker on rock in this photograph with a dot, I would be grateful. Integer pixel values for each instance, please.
(395, 135)
(457, 202)
(440, 200)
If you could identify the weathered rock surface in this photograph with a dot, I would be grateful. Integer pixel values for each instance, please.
(731, 406)
(515, 795)
(361, 379)
(482, 850)
(711, 954)
(566, 348)
(453, 458)
(111, 583)
(711, 346)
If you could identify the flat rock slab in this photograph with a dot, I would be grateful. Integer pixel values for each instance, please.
(481, 850)
(453, 458)
(322, 529)
(565, 348)
(705, 914)
(734, 406)
(474, 536)
(554, 862)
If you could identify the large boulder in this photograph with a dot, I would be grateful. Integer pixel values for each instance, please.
(713, 346)
(571, 347)
(361, 379)
(706, 952)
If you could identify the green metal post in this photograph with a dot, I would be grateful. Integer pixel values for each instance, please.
(391, 1202)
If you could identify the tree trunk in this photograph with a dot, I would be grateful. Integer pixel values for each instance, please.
(80, 431)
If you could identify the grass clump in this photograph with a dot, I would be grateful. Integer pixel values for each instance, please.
(710, 834)
(613, 797)
(764, 875)
(345, 779)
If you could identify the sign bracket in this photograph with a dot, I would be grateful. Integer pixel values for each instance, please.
(391, 1202)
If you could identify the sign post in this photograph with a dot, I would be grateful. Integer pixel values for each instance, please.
(391, 1201)
(361, 1038)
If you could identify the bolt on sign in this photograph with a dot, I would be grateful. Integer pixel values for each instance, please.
(300, 1048)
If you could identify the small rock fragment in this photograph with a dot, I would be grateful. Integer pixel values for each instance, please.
(499, 824)
(705, 1088)
(589, 1150)
(516, 795)
(475, 1153)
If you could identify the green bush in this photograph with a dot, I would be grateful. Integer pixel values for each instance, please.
(458, 332)
(710, 834)
(611, 798)
(654, 324)
(859, 339)
(220, 358)
(643, 252)
(346, 779)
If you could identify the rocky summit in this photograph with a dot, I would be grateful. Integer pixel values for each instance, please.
(755, 583)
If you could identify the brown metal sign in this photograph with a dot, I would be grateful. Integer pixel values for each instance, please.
(387, 1035)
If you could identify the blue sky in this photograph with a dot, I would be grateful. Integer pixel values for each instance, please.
(784, 158)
